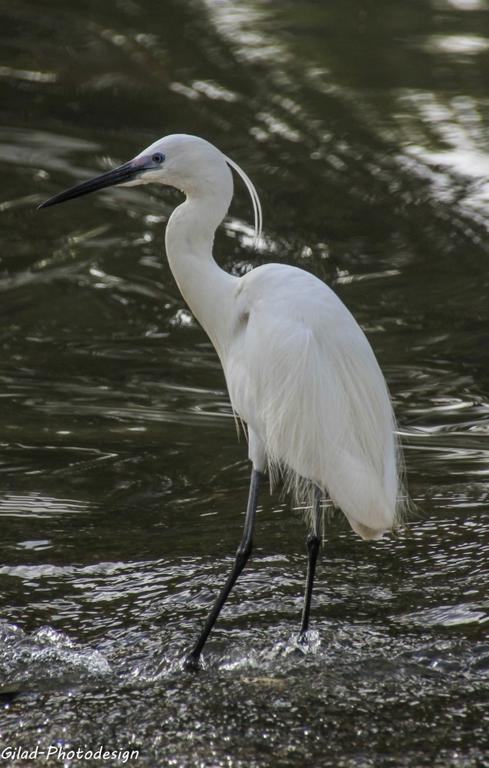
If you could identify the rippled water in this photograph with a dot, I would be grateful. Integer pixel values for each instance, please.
(122, 484)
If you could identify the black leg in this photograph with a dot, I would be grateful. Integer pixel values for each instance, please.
(313, 544)
(242, 555)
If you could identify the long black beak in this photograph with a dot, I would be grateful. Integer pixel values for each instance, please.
(124, 173)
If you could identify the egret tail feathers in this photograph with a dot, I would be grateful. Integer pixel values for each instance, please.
(333, 426)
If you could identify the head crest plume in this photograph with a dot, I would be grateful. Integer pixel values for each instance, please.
(255, 200)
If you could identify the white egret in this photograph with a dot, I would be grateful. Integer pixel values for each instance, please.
(299, 370)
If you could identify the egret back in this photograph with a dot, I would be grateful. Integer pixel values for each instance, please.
(303, 375)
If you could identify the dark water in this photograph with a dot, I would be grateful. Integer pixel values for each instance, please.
(365, 127)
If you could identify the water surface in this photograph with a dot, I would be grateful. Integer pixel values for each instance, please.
(122, 483)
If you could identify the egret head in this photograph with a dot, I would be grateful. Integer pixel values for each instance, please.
(189, 163)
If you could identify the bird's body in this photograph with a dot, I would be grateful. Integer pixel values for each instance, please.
(299, 370)
(302, 375)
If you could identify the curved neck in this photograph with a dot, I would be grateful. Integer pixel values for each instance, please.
(206, 287)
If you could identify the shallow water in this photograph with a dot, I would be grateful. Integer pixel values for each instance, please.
(122, 484)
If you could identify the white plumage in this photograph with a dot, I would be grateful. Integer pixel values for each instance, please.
(299, 369)
(303, 376)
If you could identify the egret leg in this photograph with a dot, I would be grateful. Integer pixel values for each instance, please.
(242, 555)
(313, 543)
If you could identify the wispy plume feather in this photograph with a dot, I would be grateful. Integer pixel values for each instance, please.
(255, 200)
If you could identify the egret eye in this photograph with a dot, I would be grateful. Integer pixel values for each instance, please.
(158, 158)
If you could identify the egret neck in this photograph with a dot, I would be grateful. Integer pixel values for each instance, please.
(205, 286)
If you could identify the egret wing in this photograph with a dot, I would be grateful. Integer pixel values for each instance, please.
(303, 375)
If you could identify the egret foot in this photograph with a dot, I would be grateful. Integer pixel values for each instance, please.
(300, 646)
(192, 663)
